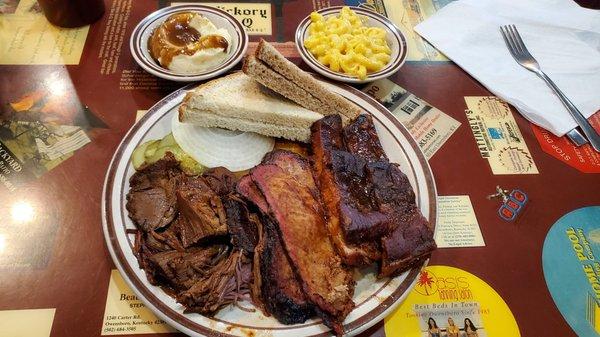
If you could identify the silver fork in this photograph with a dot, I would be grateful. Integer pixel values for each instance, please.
(523, 57)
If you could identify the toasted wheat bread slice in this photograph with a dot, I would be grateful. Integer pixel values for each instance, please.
(327, 102)
(268, 77)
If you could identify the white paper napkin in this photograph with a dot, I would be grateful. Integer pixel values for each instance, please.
(563, 37)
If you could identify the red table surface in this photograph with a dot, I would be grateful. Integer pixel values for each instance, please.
(75, 278)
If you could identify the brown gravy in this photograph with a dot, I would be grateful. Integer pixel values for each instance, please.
(176, 37)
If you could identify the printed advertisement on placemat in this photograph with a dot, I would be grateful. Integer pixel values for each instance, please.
(264, 18)
(572, 271)
(125, 314)
(254, 16)
(451, 302)
(406, 14)
(429, 126)
(498, 137)
(41, 126)
(584, 158)
(26, 37)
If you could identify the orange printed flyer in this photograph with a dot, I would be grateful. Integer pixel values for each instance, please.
(583, 158)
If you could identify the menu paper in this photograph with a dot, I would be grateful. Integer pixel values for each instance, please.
(255, 17)
(406, 15)
(26, 37)
(76, 140)
(457, 225)
(125, 314)
(498, 137)
(25, 323)
(430, 127)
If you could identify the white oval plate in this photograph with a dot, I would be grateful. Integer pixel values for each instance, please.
(394, 37)
(374, 298)
(138, 42)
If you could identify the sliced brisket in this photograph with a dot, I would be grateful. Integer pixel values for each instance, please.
(299, 215)
(275, 285)
(281, 292)
(293, 164)
(248, 190)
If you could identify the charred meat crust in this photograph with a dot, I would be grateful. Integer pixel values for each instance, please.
(276, 285)
(248, 190)
(361, 139)
(281, 291)
(361, 215)
(325, 281)
(409, 242)
(242, 224)
(346, 184)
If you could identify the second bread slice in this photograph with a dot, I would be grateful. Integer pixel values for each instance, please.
(330, 102)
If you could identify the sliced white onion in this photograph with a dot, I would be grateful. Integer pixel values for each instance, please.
(212, 147)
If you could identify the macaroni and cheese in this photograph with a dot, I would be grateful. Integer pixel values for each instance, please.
(344, 44)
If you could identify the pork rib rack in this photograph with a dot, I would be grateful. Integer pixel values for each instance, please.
(370, 205)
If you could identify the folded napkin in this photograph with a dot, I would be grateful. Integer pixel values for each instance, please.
(563, 37)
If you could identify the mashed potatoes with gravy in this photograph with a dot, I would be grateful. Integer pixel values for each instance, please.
(189, 43)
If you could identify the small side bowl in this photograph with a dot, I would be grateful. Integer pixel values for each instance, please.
(138, 42)
(394, 37)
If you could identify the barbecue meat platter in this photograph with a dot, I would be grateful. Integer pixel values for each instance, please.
(321, 228)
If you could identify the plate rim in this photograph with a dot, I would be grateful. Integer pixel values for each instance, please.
(390, 68)
(136, 43)
(357, 326)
